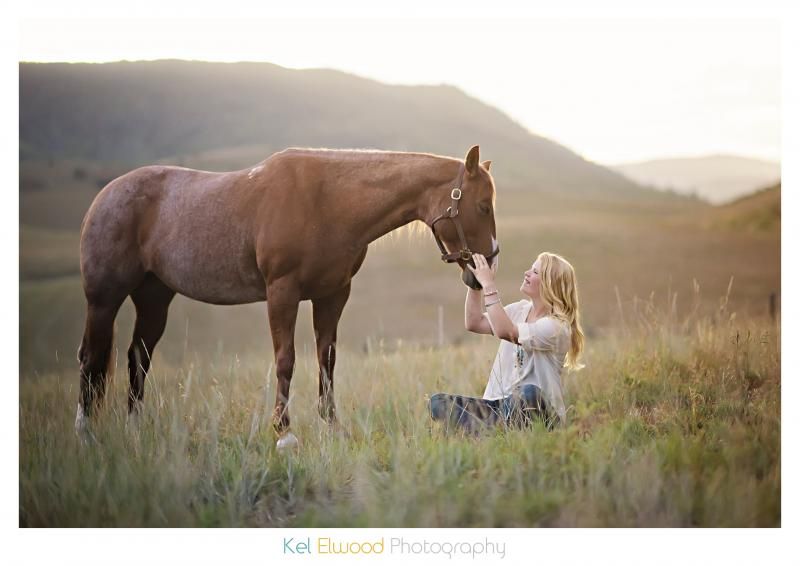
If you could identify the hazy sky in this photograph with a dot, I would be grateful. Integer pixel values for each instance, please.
(612, 90)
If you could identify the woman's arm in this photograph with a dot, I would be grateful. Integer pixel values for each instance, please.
(506, 330)
(474, 321)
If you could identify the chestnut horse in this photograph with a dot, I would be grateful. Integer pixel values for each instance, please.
(294, 227)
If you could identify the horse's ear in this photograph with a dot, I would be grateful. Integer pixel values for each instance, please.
(472, 160)
(486, 164)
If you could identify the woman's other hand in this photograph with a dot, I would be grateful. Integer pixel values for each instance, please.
(483, 272)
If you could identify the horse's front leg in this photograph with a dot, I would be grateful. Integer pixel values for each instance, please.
(282, 303)
(327, 312)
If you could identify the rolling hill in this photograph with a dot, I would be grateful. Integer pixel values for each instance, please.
(715, 178)
(141, 112)
(757, 212)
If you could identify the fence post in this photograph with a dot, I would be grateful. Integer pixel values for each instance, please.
(441, 325)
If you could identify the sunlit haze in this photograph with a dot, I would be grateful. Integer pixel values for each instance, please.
(614, 91)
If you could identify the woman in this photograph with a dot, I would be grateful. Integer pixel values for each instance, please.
(539, 337)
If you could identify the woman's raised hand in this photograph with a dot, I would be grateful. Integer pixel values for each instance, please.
(483, 272)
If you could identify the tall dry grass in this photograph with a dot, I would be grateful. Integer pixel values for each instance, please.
(674, 422)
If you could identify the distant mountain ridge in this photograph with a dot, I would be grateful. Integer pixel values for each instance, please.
(142, 112)
(716, 178)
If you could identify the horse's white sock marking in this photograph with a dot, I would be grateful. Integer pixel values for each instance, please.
(81, 422)
(82, 427)
(288, 440)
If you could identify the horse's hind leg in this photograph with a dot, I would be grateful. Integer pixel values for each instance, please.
(327, 312)
(95, 356)
(151, 299)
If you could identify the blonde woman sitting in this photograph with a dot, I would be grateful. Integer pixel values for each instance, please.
(539, 336)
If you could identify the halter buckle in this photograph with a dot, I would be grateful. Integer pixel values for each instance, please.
(455, 194)
(466, 255)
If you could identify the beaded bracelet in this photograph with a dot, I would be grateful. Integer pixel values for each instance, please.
(492, 304)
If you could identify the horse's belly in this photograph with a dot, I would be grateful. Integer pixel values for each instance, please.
(212, 287)
(226, 279)
(220, 293)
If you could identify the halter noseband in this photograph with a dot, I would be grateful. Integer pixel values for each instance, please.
(464, 254)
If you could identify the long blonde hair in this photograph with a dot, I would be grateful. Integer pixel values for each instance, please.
(559, 290)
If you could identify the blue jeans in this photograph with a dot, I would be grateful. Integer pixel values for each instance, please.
(472, 414)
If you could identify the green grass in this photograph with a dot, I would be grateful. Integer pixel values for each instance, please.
(674, 422)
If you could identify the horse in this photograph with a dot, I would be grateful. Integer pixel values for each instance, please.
(294, 227)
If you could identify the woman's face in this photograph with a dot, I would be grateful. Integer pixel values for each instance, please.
(531, 281)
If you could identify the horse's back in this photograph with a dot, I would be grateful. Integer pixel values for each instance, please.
(128, 204)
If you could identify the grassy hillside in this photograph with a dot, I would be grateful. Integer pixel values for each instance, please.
(758, 212)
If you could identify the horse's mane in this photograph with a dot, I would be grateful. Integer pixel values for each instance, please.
(360, 151)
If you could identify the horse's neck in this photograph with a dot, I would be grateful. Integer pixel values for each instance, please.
(402, 192)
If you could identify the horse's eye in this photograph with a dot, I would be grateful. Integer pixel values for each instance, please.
(484, 208)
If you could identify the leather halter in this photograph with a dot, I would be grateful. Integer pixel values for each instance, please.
(464, 254)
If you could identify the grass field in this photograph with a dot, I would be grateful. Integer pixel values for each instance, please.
(674, 422)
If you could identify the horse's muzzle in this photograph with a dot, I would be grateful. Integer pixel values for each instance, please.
(468, 277)
(469, 280)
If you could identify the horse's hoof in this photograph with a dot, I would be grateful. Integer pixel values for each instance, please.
(287, 442)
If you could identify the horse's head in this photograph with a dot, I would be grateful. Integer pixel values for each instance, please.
(467, 225)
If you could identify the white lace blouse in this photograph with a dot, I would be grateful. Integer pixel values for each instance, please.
(539, 359)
